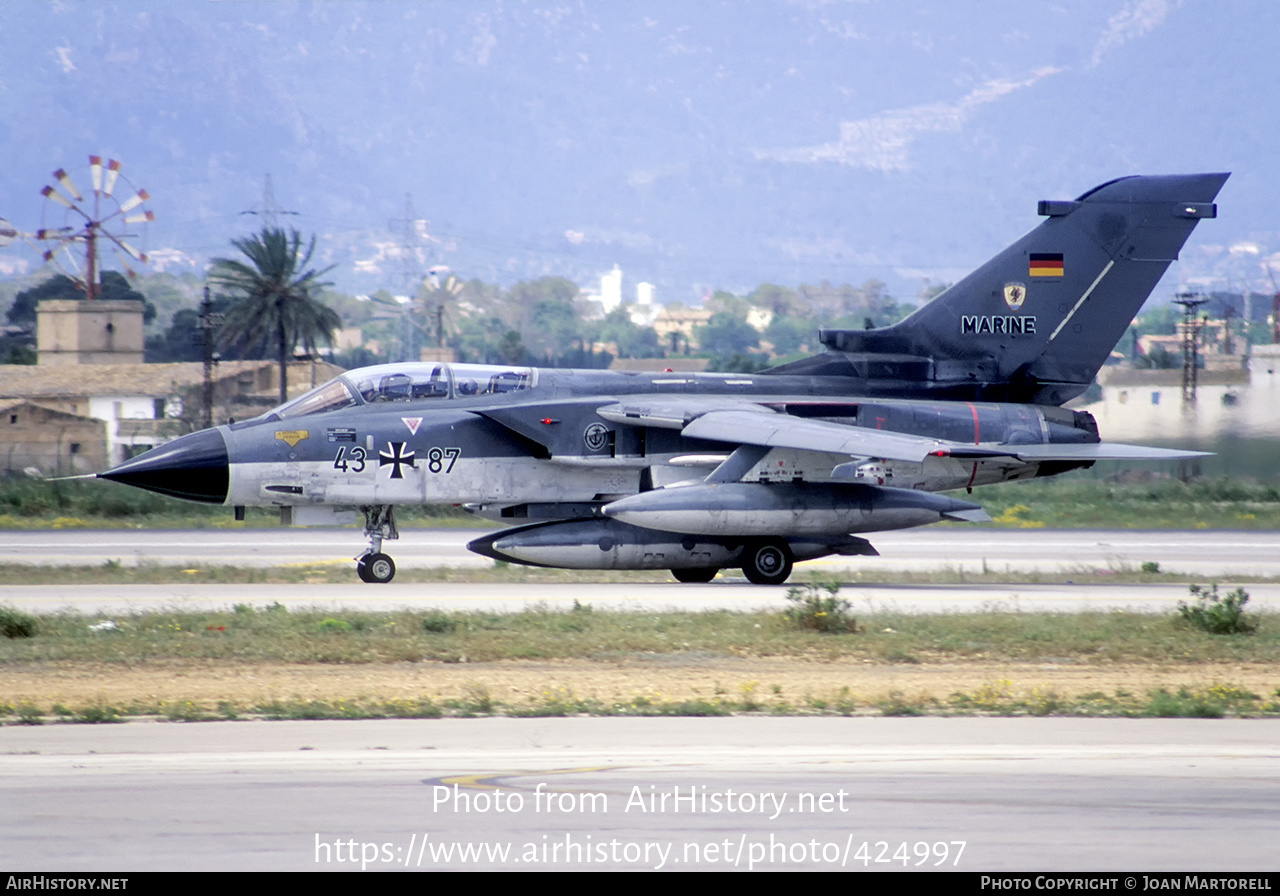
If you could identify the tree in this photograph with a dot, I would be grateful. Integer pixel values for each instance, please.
(16, 350)
(511, 348)
(23, 311)
(179, 342)
(274, 297)
(789, 334)
(778, 299)
(545, 313)
(114, 287)
(633, 341)
(726, 335)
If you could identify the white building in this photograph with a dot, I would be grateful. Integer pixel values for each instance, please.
(1146, 405)
(611, 289)
(645, 311)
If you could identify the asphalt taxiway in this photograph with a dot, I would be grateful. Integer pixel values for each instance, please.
(954, 552)
(554, 794)
(956, 548)
(728, 593)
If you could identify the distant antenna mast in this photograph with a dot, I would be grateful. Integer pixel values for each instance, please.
(1275, 308)
(267, 210)
(1246, 319)
(206, 336)
(410, 228)
(1190, 342)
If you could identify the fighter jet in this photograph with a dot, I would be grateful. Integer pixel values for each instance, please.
(695, 473)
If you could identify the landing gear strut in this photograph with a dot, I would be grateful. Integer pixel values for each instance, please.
(373, 566)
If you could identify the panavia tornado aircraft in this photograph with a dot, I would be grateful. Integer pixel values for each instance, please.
(699, 472)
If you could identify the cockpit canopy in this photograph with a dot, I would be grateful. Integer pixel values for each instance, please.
(408, 383)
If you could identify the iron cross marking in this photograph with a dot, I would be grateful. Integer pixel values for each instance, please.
(396, 455)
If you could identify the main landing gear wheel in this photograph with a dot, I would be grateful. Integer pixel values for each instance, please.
(376, 569)
(690, 576)
(767, 564)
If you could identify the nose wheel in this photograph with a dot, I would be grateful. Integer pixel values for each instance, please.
(375, 568)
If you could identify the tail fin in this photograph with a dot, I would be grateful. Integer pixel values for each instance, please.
(1036, 322)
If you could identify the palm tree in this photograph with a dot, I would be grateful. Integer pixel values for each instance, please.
(273, 297)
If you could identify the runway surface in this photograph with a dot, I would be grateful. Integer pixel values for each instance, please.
(949, 550)
(552, 794)
(935, 547)
(722, 594)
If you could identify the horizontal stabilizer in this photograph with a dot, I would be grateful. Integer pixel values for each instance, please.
(977, 515)
(1102, 451)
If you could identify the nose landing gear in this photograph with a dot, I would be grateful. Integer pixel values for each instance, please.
(373, 566)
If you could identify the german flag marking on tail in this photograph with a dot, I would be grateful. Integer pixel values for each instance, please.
(1045, 264)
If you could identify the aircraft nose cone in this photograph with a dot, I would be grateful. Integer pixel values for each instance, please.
(194, 467)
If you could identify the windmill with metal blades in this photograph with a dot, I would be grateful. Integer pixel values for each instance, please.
(438, 290)
(90, 223)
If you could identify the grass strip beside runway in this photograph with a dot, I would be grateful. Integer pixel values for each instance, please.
(281, 663)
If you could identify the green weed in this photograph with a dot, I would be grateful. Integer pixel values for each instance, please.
(16, 624)
(897, 704)
(478, 698)
(99, 713)
(1216, 614)
(438, 623)
(815, 605)
(30, 715)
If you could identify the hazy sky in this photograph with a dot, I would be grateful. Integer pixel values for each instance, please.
(699, 145)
